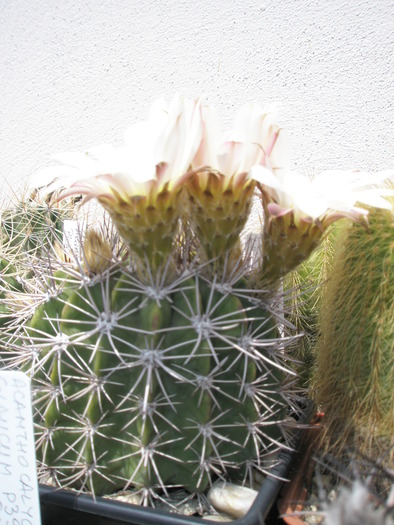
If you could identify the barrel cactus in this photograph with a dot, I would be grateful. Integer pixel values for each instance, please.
(152, 384)
(167, 367)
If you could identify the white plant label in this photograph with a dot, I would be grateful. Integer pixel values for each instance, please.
(19, 500)
(73, 233)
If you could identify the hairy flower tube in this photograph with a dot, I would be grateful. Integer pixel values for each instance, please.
(221, 187)
(140, 183)
(298, 210)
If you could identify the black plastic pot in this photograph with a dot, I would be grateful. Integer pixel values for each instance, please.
(63, 507)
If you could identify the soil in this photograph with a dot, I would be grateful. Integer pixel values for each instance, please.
(324, 484)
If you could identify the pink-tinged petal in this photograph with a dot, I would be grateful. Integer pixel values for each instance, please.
(354, 214)
(230, 157)
(253, 123)
(255, 139)
(277, 211)
(206, 154)
(273, 138)
(244, 126)
(237, 157)
(306, 219)
(176, 134)
(279, 151)
(252, 155)
(257, 125)
(161, 172)
(119, 183)
(89, 190)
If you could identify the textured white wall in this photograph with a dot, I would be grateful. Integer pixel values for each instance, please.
(76, 73)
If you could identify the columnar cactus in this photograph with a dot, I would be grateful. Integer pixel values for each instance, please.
(355, 374)
(303, 292)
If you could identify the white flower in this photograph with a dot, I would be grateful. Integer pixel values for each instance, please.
(255, 139)
(158, 151)
(171, 136)
(326, 197)
(298, 210)
(74, 166)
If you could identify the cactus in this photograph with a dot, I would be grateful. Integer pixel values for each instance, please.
(10, 283)
(167, 369)
(151, 384)
(303, 293)
(354, 379)
(30, 227)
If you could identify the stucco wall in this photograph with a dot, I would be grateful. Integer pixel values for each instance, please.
(76, 73)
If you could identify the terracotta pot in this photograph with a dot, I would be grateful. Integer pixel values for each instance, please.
(293, 495)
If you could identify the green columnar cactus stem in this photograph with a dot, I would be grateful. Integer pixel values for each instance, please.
(355, 375)
(303, 293)
(152, 386)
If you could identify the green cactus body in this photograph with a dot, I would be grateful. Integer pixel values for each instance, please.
(152, 387)
(31, 228)
(304, 289)
(9, 284)
(355, 358)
